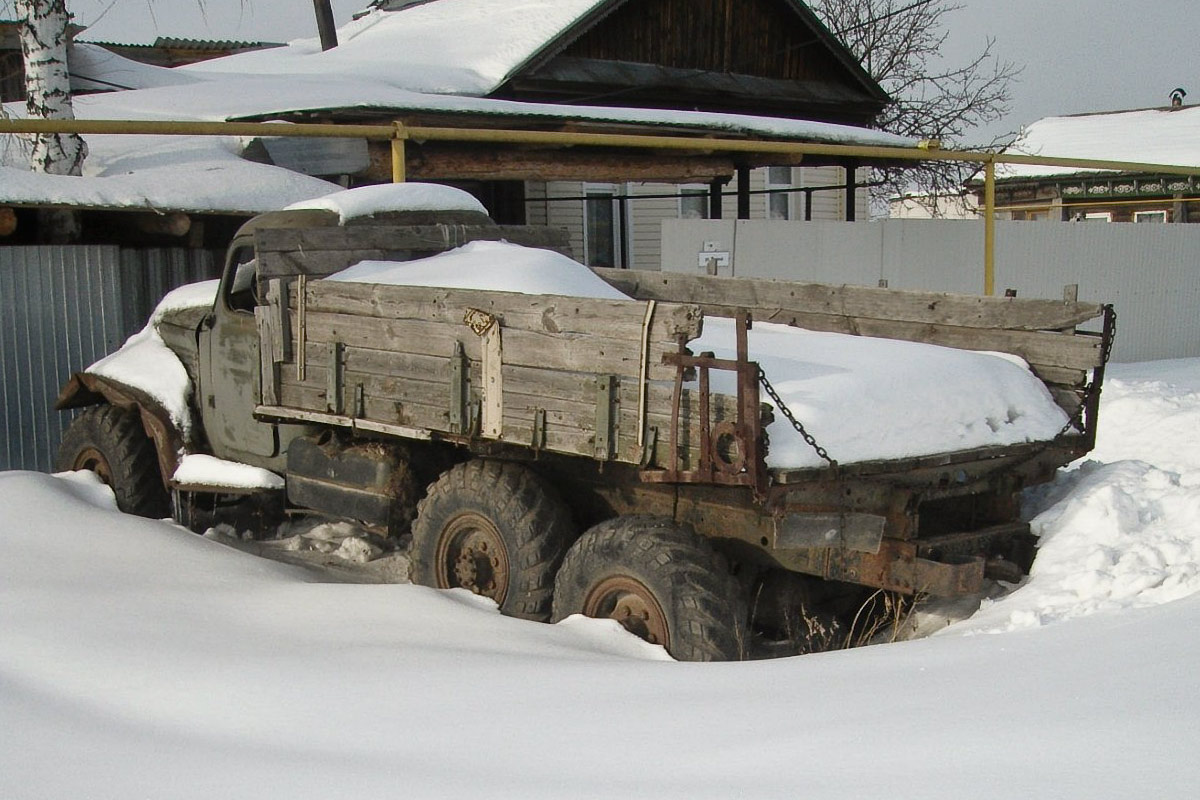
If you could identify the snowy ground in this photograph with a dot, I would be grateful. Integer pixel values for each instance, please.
(137, 660)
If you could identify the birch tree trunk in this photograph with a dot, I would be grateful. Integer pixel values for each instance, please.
(48, 88)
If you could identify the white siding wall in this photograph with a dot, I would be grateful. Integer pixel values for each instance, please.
(647, 214)
(566, 214)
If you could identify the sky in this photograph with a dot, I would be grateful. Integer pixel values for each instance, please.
(1078, 55)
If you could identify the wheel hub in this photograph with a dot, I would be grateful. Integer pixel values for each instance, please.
(629, 602)
(472, 556)
(92, 459)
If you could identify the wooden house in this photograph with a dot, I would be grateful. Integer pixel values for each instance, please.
(602, 66)
(759, 57)
(1167, 135)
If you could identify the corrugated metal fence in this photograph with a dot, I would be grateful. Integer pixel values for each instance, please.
(1150, 273)
(61, 309)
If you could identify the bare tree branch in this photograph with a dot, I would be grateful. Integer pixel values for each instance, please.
(899, 43)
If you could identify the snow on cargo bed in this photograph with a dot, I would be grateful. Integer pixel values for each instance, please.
(864, 399)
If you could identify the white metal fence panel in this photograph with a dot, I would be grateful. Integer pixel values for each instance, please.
(1151, 273)
(61, 309)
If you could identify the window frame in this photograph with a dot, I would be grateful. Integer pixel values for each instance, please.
(789, 197)
(620, 222)
(695, 190)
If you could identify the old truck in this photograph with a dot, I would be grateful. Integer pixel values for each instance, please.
(571, 454)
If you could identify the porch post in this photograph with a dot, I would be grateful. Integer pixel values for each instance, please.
(743, 193)
(851, 204)
(989, 228)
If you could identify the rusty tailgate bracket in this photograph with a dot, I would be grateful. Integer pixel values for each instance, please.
(730, 454)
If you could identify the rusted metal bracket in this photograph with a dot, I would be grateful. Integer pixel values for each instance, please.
(487, 327)
(730, 453)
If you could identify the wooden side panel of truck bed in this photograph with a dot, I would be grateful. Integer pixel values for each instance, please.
(561, 374)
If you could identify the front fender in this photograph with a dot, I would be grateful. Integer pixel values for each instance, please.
(85, 389)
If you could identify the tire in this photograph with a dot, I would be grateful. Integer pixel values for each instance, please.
(661, 581)
(496, 529)
(111, 442)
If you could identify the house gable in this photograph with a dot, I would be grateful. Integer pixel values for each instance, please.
(766, 56)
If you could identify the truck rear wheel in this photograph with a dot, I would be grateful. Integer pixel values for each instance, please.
(661, 581)
(496, 529)
(111, 442)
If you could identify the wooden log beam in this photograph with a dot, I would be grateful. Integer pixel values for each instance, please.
(445, 161)
(175, 224)
(8, 221)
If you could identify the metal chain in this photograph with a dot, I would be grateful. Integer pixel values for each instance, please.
(1076, 421)
(787, 412)
(1108, 346)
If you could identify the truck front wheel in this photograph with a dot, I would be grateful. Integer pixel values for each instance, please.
(661, 581)
(111, 442)
(496, 529)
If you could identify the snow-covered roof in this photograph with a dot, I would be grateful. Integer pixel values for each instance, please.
(467, 47)
(207, 174)
(432, 58)
(1152, 136)
(161, 173)
(95, 68)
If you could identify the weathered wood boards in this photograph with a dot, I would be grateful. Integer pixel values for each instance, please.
(569, 367)
(842, 304)
(1040, 331)
(317, 252)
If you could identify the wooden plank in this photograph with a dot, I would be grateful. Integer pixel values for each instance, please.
(1060, 375)
(395, 389)
(1058, 350)
(824, 300)
(492, 386)
(416, 415)
(548, 313)
(279, 320)
(335, 400)
(401, 238)
(1069, 400)
(269, 371)
(318, 264)
(571, 352)
(432, 368)
(568, 400)
(1055, 349)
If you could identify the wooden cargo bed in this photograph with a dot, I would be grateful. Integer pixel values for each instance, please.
(602, 379)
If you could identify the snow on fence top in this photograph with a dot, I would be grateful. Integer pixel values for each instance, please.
(367, 201)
